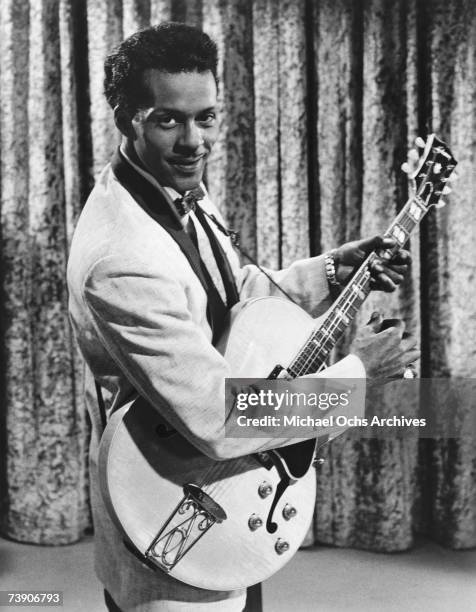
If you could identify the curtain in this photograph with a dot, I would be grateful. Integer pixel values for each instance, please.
(320, 102)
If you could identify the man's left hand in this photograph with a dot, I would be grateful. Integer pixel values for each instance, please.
(386, 274)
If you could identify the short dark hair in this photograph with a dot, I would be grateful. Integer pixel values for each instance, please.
(170, 47)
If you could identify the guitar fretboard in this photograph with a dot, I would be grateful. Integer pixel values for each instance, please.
(434, 170)
(316, 350)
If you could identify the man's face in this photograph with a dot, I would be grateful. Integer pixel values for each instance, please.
(175, 135)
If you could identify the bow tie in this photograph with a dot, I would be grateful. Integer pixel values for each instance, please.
(187, 203)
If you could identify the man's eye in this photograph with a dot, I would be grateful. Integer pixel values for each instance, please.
(207, 119)
(166, 122)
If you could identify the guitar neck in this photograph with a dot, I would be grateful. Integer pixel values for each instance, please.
(341, 314)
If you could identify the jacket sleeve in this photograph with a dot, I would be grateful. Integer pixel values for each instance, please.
(305, 281)
(142, 317)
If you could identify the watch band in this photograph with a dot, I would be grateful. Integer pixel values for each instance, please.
(330, 265)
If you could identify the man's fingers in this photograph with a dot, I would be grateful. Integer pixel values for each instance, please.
(398, 269)
(375, 321)
(384, 282)
(376, 242)
(382, 271)
(402, 256)
(387, 242)
(409, 339)
(411, 344)
(397, 323)
(395, 277)
(412, 356)
(374, 316)
(391, 328)
(353, 253)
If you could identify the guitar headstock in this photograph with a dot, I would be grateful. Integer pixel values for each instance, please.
(430, 172)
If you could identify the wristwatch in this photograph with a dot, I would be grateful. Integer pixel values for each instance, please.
(331, 269)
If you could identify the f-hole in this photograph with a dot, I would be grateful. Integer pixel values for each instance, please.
(284, 483)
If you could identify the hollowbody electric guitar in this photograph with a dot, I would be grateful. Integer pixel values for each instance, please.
(225, 525)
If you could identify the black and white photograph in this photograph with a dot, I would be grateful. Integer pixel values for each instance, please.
(238, 305)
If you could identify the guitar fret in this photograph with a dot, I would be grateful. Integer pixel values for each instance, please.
(321, 343)
(418, 200)
(406, 222)
(399, 234)
(341, 314)
(416, 211)
(360, 294)
(408, 218)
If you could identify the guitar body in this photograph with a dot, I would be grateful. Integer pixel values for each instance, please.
(143, 474)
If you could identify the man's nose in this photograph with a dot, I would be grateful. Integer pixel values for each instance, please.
(192, 136)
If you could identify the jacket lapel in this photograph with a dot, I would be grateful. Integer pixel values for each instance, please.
(156, 206)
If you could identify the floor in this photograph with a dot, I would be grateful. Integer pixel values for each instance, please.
(323, 579)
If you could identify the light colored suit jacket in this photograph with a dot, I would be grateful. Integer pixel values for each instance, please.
(139, 315)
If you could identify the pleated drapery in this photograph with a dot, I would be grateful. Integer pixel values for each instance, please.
(320, 102)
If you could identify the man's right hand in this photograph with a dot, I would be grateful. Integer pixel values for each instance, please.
(384, 348)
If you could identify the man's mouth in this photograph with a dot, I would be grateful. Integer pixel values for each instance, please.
(187, 165)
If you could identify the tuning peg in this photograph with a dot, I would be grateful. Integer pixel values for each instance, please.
(406, 167)
(413, 155)
(446, 190)
(440, 204)
(436, 168)
(420, 142)
(454, 176)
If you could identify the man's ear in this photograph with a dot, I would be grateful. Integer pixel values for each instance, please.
(123, 122)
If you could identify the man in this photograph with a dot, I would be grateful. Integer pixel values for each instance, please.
(146, 303)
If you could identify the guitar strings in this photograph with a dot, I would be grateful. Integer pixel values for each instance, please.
(343, 305)
(302, 366)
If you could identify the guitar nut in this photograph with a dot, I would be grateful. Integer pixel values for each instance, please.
(265, 489)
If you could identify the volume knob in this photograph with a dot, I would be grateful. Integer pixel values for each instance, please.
(255, 522)
(265, 489)
(281, 546)
(289, 512)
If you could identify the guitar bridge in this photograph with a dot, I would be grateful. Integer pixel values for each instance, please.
(191, 519)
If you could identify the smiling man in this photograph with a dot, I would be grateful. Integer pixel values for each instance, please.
(151, 280)
(174, 136)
